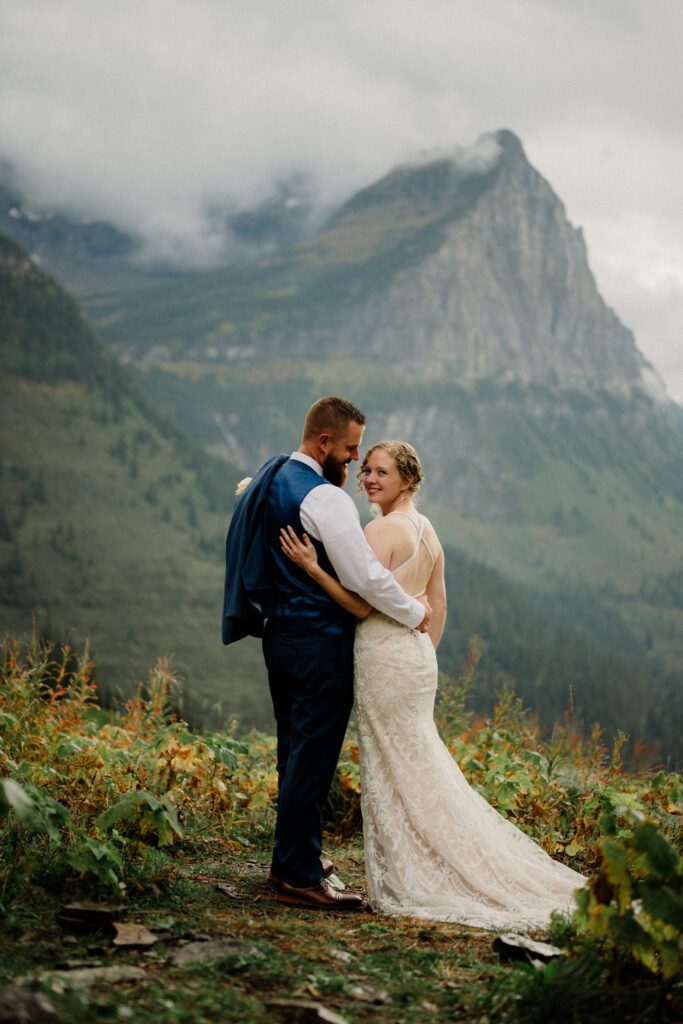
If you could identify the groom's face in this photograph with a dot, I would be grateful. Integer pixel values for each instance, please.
(342, 449)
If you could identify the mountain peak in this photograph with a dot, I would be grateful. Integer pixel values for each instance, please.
(431, 184)
(462, 265)
(508, 141)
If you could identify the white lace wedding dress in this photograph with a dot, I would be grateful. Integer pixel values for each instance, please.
(434, 848)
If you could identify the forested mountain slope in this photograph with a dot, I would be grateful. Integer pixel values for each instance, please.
(112, 523)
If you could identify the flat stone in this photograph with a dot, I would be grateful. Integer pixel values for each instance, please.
(308, 1012)
(368, 994)
(520, 947)
(87, 916)
(75, 965)
(197, 952)
(128, 935)
(60, 981)
(227, 890)
(342, 955)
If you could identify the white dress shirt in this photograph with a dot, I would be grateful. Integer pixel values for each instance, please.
(329, 515)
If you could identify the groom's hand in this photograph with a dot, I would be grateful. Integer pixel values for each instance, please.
(428, 614)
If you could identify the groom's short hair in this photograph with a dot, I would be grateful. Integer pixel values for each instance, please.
(330, 415)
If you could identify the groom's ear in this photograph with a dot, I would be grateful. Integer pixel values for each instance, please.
(324, 441)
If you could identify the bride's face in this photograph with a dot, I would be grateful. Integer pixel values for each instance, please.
(381, 479)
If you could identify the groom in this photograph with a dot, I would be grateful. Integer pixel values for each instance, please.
(308, 639)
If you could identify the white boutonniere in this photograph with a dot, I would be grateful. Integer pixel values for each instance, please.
(242, 485)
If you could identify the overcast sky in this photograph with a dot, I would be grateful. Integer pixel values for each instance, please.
(146, 111)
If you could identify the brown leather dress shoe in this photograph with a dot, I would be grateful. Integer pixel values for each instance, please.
(328, 868)
(318, 897)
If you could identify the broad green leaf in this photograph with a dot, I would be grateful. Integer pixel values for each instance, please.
(661, 857)
(103, 851)
(621, 798)
(147, 815)
(662, 904)
(91, 854)
(649, 957)
(127, 808)
(614, 859)
(506, 795)
(45, 816)
(166, 825)
(99, 859)
(607, 823)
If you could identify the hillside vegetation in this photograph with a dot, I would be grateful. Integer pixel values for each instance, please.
(563, 533)
(171, 831)
(112, 523)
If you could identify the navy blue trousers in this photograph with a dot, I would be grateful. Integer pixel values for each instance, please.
(311, 685)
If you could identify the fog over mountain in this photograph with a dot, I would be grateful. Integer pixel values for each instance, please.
(156, 116)
(460, 285)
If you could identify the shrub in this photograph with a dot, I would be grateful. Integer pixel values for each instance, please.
(90, 792)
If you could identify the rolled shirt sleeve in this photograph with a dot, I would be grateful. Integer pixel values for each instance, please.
(329, 514)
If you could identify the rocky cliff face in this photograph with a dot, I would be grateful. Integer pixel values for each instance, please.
(505, 294)
(508, 295)
(465, 268)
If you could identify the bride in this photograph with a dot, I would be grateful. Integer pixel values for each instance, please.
(434, 848)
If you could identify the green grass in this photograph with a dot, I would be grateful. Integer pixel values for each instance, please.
(413, 962)
(415, 970)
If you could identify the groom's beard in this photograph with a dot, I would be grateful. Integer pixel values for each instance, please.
(335, 471)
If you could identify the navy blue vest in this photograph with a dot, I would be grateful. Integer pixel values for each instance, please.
(298, 601)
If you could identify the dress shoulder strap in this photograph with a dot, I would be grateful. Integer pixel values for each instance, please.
(420, 540)
(429, 550)
(420, 531)
(406, 516)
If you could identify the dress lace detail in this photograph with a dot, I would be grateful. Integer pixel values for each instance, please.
(434, 848)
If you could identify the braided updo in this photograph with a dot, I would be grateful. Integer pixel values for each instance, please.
(407, 462)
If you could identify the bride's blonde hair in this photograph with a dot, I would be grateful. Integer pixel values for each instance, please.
(407, 462)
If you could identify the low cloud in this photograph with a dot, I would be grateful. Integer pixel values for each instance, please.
(151, 115)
